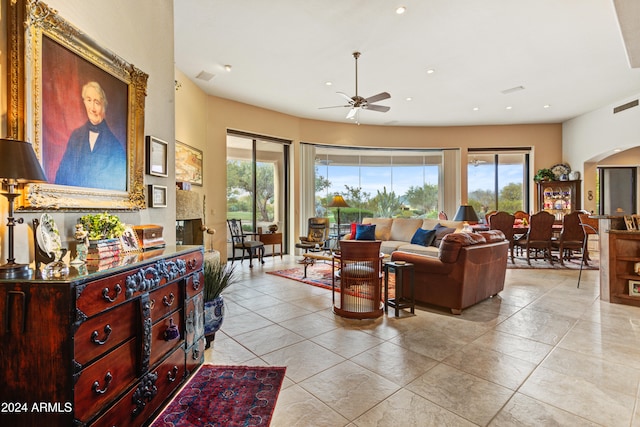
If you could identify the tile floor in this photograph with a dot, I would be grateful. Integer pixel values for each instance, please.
(542, 353)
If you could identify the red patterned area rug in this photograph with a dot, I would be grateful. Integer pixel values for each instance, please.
(225, 396)
(319, 275)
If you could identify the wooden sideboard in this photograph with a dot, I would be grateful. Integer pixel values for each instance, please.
(101, 347)
(624, 253)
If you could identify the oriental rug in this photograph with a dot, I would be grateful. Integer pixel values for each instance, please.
(319, 275)
(225, 396)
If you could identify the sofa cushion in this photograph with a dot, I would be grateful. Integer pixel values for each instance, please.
(429, 251)
(383, 227)
(365, 232)
(389, 246)
(441, 231)
(453, 242)
(404, 228)
(423, 237)
(430, 224)
(492, 236)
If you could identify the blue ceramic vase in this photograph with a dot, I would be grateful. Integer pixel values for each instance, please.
(213, 317)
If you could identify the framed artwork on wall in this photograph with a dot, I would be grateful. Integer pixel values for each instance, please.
(157, 196)
(75, 100)
(634, 288)
(188, 164)
(156, 156)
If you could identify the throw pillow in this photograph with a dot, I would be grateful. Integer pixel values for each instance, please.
(441, 231)
(353, 230)
(365, 232)
(423, 237)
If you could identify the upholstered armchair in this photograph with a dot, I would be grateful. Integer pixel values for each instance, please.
(317, 235)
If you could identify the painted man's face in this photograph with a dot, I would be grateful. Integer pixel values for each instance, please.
(94, 105)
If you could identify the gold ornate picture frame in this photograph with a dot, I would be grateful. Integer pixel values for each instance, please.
(50, 62)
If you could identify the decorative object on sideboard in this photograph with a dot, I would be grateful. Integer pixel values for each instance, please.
(634, 288)
(149, 236)
(467, 214)
(82, 245)
(49, 241)
(18, 165)
(273, 228)
(104, 235)
(208, 237)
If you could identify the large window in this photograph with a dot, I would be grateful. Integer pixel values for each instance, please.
(257, 183)
(497, 181)
(378, 182)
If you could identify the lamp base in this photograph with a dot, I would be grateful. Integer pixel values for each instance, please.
(15, 271)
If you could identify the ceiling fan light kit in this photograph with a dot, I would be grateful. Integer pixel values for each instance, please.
(357, 103)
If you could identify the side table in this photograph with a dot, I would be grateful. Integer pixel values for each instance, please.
(272, 239)
(399, 268)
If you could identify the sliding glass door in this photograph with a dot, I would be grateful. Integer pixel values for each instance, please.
(257, 184)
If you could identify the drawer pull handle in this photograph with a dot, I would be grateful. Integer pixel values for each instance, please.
(192, 264)
(196, 283)
(152, 304)
(172, 375)
(105, 293)
(107, 381)
(172, 332)
(107, 332)
(168, 302)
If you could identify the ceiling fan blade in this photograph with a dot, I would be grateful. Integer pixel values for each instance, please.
(335, 106)
(345, 96)
(378, 97)
(381, 108)
(352, 113)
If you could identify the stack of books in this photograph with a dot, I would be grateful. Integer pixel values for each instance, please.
(103, 249)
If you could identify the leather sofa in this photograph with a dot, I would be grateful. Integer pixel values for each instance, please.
(469, 268)
(396, 233)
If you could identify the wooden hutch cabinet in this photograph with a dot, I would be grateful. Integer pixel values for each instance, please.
(101, 347)
(559, 197)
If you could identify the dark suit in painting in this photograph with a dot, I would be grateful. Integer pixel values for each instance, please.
(103, 167)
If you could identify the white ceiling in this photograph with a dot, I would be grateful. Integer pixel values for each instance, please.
(568, 54)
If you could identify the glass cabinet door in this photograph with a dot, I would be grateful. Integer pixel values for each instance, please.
(559, 197)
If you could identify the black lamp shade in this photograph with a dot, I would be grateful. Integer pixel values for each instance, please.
(466, 213)
(338, 202)
(18, 162)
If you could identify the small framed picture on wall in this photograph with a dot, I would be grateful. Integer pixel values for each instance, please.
(157, 196)
(634, 288)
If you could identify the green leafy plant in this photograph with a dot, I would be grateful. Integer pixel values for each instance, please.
(102, 226)
(544, 175)
(217, 277)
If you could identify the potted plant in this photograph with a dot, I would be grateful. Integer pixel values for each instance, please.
(218, 276)
(102, 226)
(544, 175)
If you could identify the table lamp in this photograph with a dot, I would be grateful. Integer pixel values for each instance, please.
(466, 214)
(338, 202)
(18, 165)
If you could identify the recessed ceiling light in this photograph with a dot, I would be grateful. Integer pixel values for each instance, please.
(617, 150)
(228, 68)
(509, 107)
(431, 71)
(476, 108)
(547, 106)
(328, 83)
(400, 10)
(409, 98)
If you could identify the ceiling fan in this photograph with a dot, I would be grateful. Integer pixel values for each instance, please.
(357, 103)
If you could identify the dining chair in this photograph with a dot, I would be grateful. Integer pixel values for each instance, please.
(590, 227)
(572, 237)
(538, 236)
(521, 215)
(504, 221)
(240, 240)
(487, 215)
(359, 270)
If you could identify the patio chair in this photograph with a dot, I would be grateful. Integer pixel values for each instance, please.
(239, 240)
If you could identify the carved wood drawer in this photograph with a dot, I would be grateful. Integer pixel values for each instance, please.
(165, 378)
(101, 333)
(100, 295)
(102, 381)
(165, 300)
(195, 355)
(194, 261)
(160, 344)
(195, 283)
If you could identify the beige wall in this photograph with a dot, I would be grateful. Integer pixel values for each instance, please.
(131, 30)
(223, 114)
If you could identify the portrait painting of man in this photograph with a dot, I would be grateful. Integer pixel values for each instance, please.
(84, 122)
